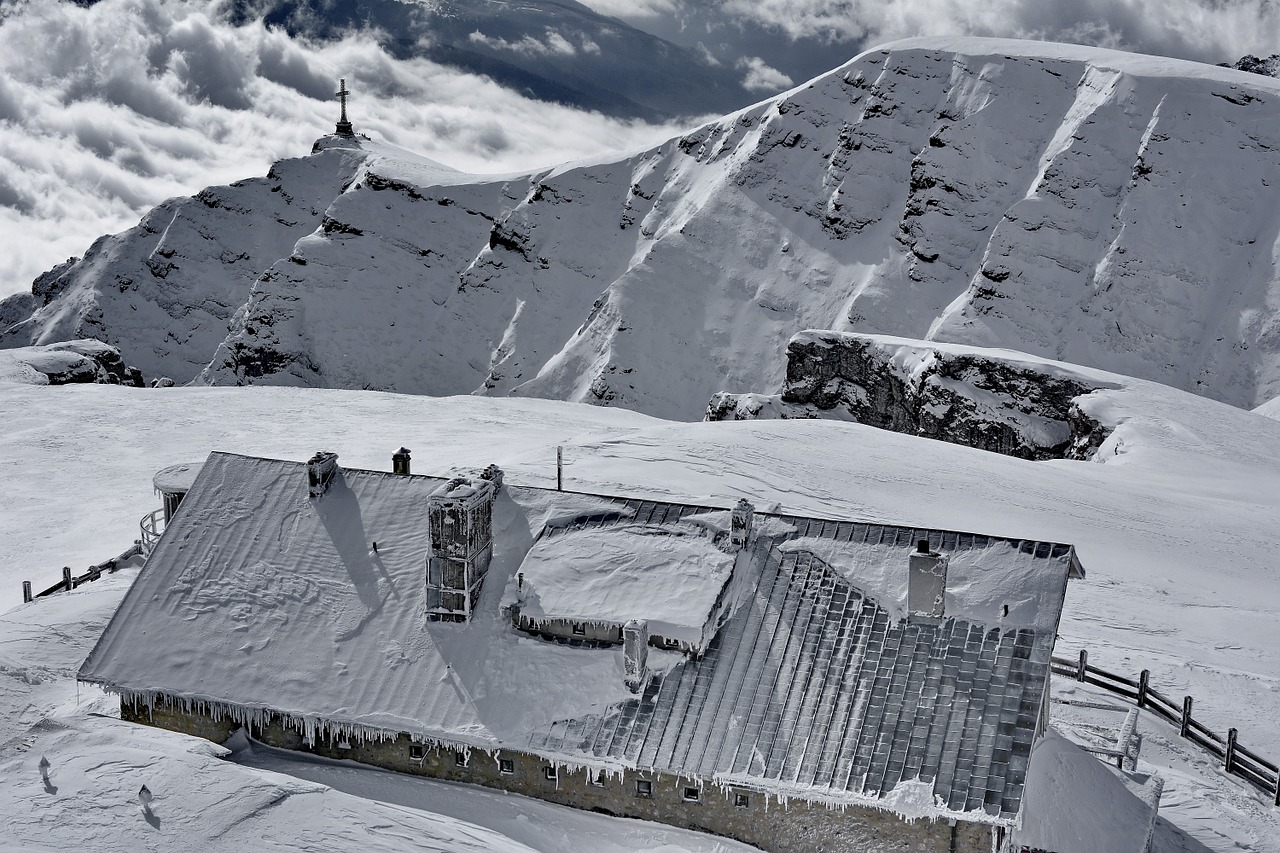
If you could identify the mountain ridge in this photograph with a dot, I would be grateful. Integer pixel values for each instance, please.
(1077, 204)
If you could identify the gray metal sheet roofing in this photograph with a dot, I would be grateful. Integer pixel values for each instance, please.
(263, 599)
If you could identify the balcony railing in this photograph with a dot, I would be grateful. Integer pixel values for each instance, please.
(152, 526)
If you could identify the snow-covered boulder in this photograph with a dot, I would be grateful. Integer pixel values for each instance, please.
(990, 399)
(68, 362)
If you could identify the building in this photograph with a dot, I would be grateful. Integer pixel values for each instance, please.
(800, 684)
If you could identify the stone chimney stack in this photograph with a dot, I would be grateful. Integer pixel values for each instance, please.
(926, 582)
(460, 526)
(400, 461)
(320, 471)
(740, 524)
(635, 652)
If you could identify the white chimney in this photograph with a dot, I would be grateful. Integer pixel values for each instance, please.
(320, 471)
(926, 582)
(740, 523)
(635, 651)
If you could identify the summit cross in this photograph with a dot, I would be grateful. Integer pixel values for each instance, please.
(344, 127)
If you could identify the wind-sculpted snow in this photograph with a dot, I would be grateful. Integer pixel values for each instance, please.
(1077, 204)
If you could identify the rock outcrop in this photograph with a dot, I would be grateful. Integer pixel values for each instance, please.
(991, 400)
(70, 362)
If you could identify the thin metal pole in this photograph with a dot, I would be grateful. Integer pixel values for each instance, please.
(559, 469)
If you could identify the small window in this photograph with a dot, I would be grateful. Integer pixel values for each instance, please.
(549, 773)
(506, 766)
(644, 788)
(741, 801)
(579, 630)
(417, 751)
(460, 759)
(692, 794)
(597, 778)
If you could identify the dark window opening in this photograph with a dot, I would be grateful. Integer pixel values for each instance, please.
(692, 794)
(597, 778)
(741, 801)
(506, 766)
(644, 788)
(417, 751)
(579, 630)
(460, 759)
(549, 773)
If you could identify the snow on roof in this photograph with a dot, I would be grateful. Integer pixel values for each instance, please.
(667, 575)
(265, 600)
(176, 478)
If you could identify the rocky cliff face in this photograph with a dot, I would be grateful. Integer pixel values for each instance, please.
(1079, 205)
(165, 290)
(991, 400)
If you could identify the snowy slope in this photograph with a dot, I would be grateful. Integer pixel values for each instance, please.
(1097, 207)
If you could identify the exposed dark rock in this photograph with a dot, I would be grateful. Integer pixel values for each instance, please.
(984, 401)
(80, 361)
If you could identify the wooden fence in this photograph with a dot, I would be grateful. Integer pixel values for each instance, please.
(1236, 759)
(70, 581)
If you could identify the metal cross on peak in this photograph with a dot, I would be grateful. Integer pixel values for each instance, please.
(344, 127)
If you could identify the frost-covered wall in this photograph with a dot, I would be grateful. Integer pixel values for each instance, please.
(776, 826)
(998, 401)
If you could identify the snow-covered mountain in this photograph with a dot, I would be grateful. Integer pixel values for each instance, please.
(1077, 204)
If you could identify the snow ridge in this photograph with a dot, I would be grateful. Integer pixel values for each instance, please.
(1083, 205)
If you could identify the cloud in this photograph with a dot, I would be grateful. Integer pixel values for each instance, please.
(1206, 30)
(762, 78)
(555, 44)
(635, 10)
(107, 110)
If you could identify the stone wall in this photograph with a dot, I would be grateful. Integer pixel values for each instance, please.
(738, 813)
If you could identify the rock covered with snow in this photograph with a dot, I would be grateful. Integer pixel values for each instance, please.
(164, 291)
(993, 400)
(68, 362)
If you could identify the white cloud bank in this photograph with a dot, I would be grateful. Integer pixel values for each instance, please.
(1205, 30)
(106, 111)
(761, 77)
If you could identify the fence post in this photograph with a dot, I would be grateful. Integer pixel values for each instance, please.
(1186, 716)
(1083, 666)
(1230, 762)
(559, 468)
(26, 592)
(66, 578)
(1144, 682)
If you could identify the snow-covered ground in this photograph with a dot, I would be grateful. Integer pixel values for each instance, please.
(1175, 528)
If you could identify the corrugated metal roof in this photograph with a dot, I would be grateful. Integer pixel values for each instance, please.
(260, 597)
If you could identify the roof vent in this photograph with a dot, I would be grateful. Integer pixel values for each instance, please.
(320, 471)
(400, 461)
(926, 582)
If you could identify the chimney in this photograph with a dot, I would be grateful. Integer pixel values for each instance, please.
(400, 461)
(740, 524)
(320, 471)
(460, 528)
(926, 582)
(635, 653)
(494, 475)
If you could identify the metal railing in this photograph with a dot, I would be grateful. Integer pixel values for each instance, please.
(152, 527)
